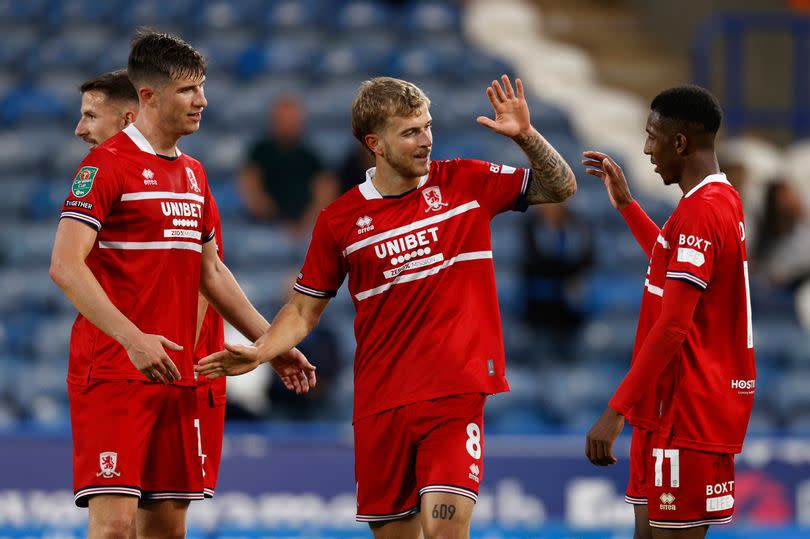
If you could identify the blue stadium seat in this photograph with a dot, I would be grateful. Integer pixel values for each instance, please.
(437, 58)
(363, 15)
(70, 13)
(278, 56)
(155, 13)
(329, 105)
(430, 16)
(332, 143)
(294, 15)
(30, 105)
(358, 59)
(18, 13)
(223, 49)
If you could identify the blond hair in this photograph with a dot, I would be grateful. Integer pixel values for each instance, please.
(380, 98)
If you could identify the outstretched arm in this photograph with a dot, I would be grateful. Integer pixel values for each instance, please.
(292, 323)
(606, 169)
(552, 178)
(220, 288)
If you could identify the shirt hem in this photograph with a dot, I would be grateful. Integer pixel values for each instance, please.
(437, 395)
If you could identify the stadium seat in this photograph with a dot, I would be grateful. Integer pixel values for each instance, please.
(363, 15)
(294, 15)
(422, 17)
(31, 105)
(278, 56)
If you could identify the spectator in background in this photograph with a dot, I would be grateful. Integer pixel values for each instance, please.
(284, 180)
(559, 248)
(782, 254)
(353, 169)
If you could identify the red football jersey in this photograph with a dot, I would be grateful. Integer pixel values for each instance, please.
(713, 377)
(212, 332)
(422, 282)
(152, 215)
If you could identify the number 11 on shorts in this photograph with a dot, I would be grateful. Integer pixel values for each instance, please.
(674, 466)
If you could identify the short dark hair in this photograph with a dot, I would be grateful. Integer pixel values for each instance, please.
(115, 85)
(691, 104)
(157, 57)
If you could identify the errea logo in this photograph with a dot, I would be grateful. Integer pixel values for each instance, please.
(667, 502)
(364, 224)
(148, 177)
(475, 473)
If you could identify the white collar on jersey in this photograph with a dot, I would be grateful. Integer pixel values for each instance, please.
(370, 192)
(711, 178)
(141, 142)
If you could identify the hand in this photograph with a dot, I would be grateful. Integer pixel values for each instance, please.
(511, 111)
(599, 442)
(606, 169)
(236, 359)
(148, 353)
(295, 371)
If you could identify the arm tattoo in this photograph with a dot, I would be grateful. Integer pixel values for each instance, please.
(444, 511)
(552, 179)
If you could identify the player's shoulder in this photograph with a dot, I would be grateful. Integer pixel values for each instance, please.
(347, 202)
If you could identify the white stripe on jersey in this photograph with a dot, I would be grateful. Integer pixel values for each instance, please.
(458, 210)
(684, 276)
(408, 277)
(152, 195)
(652, 289)
(150, 245)
(664, 243)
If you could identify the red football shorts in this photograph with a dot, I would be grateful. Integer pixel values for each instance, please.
(640, 449)
(689, 488)
(211, 410)
(428, 446)
(135, 438)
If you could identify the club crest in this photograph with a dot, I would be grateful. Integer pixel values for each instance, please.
(433, 197)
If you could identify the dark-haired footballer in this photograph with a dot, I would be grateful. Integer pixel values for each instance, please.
(132, 250)
(690, 388)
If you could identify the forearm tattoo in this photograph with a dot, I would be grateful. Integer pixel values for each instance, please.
(552, 179)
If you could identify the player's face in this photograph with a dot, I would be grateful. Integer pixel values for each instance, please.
(180, 104)
(660, 145)
(101, 118)
(405, 143)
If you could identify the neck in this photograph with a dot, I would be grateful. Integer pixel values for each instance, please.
(162, 142)
(389, 182)
(695, 170)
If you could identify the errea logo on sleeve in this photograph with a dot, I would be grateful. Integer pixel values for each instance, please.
(83, 182)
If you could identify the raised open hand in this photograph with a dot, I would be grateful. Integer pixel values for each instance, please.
(512, 116)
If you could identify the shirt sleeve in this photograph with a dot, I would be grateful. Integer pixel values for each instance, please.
(642, 227)
(324, 267)
(210, 212)
(498, 188)
(660, 346)
(696, 242)
(96, 188)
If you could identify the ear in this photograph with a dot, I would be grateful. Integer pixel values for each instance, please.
(681, 144)
(145, 94)
(372, 142)
(129, 117)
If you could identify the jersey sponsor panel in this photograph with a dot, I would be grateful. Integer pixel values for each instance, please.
(418, 281)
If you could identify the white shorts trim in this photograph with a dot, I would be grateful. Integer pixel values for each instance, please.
(95, 491)
(690, 524)
(383, 518)
(635, 501)
(450, 489)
